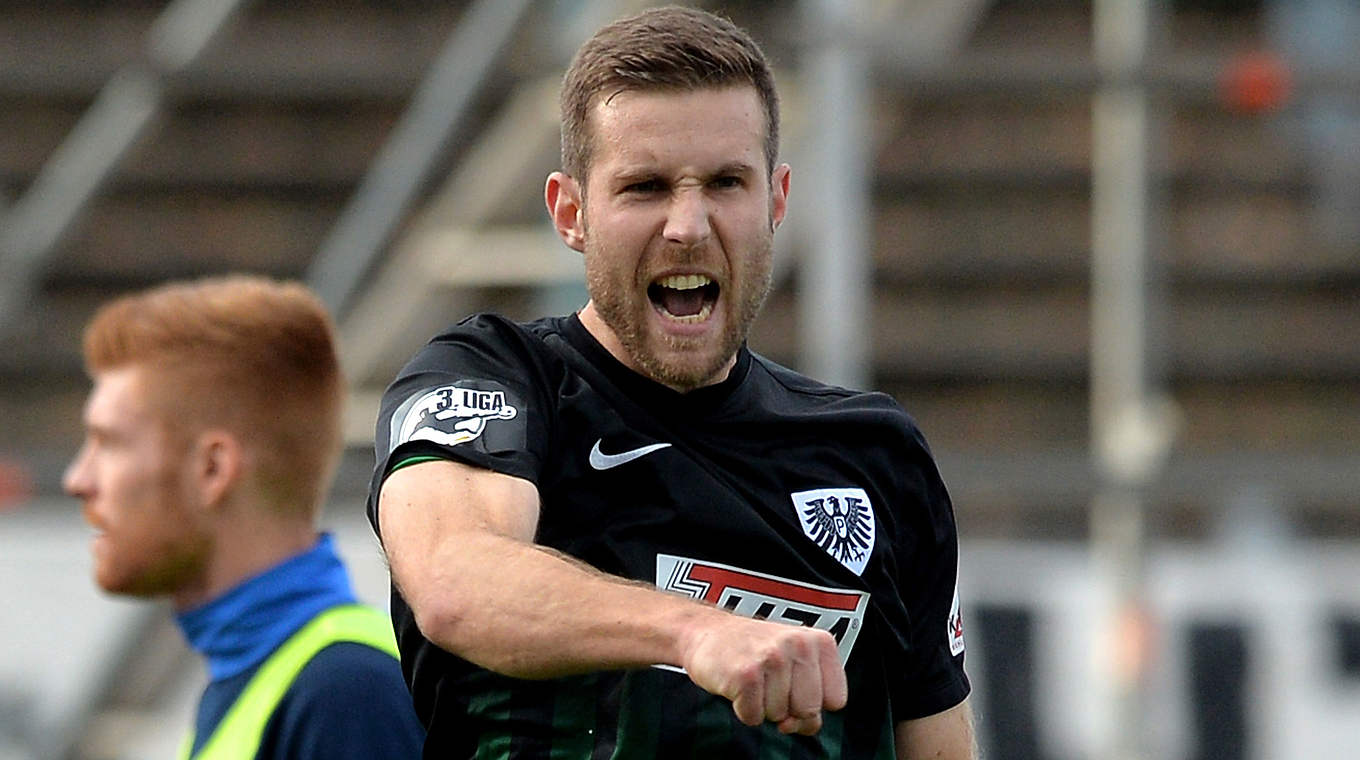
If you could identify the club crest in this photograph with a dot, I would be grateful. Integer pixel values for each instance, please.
(841, 521)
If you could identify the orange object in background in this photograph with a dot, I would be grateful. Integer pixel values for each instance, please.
(16, 484)
(1256, 82)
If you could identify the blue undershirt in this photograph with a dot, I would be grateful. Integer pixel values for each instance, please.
(238, 629)
(348, 701)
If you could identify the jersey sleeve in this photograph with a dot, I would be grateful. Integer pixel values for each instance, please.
(348, 703)
(933, 677)
(475, 395)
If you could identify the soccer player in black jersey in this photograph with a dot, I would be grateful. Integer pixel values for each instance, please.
(620, 533)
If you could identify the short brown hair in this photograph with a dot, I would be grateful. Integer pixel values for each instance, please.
(249, 354)
(669, 48)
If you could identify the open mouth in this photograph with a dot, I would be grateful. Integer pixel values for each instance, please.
(685, 298)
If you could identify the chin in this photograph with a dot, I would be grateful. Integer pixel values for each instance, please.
(684, 370)
(115, 585)
(147, 583)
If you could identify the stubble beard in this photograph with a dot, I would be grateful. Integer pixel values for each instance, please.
(179, 569)
(173, 565)
(623, 307)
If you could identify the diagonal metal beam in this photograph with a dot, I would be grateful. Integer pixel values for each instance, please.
(497, 168)
(438, 109)
(78, 169)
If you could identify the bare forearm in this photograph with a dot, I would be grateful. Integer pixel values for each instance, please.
(529, 612)
(480, 588)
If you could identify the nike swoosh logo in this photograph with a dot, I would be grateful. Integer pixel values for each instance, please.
(602, 461)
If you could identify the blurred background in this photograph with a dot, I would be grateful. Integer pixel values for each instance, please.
(1107, 254)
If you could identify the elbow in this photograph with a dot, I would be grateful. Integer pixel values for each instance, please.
(453, 625)
(442, 620)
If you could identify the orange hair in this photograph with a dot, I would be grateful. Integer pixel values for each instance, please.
(254, 356)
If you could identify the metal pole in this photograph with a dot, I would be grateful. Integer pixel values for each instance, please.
(834, 290)
(1129, 437)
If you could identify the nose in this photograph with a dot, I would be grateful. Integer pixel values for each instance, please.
(687, 219)
(76, 481)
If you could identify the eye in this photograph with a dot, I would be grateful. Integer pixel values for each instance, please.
(727, 182)
(644, 187)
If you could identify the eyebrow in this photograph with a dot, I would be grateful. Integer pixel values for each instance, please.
(641, 172)
(102, 432)
(739, 167)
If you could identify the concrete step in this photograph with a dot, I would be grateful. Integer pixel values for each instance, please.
(1036, 135)
(134, 238)
(934, 331)
(1012, 415)
(974, 232)
(70, 49)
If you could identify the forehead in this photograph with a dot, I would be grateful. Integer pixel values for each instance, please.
(119, 399)
(703, 128)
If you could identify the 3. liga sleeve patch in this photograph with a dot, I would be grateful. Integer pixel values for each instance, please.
(451, 415)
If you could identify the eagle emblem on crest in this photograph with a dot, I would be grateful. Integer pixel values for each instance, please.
(840, 521)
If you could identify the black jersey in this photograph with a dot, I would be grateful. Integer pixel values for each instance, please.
(768, 494)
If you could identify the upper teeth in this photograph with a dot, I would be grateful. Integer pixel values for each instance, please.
(683, 281)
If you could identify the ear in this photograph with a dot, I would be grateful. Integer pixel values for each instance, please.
(779, 194)
(563, 196)
(218, 461)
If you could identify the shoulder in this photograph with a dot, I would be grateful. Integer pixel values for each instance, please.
(869, 427)
(485, 352)
(483, 392)
(339, 664)
(491, 334)
(348, 669)
(484, 370)
(496, 326)
(797, 393)
(348, 701)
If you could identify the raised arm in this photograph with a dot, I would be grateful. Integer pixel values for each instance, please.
(459, 540)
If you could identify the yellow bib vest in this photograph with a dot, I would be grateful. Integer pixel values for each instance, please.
(237, 736)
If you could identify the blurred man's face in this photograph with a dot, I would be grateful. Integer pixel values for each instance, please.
(133, 480)
(678, 229)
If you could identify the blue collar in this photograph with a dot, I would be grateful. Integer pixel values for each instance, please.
(238, 629)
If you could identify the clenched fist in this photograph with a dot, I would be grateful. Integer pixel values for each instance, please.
(770, 671)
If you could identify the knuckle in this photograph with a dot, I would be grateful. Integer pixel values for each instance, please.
(774, 658)
(745, 677)
(800, 645)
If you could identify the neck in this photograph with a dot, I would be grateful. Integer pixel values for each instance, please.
(246, 543)
(604, 334)
(239, 628)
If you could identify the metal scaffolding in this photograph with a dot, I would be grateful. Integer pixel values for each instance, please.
(124, 110)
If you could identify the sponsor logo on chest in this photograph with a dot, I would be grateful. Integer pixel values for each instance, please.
(838, 611)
